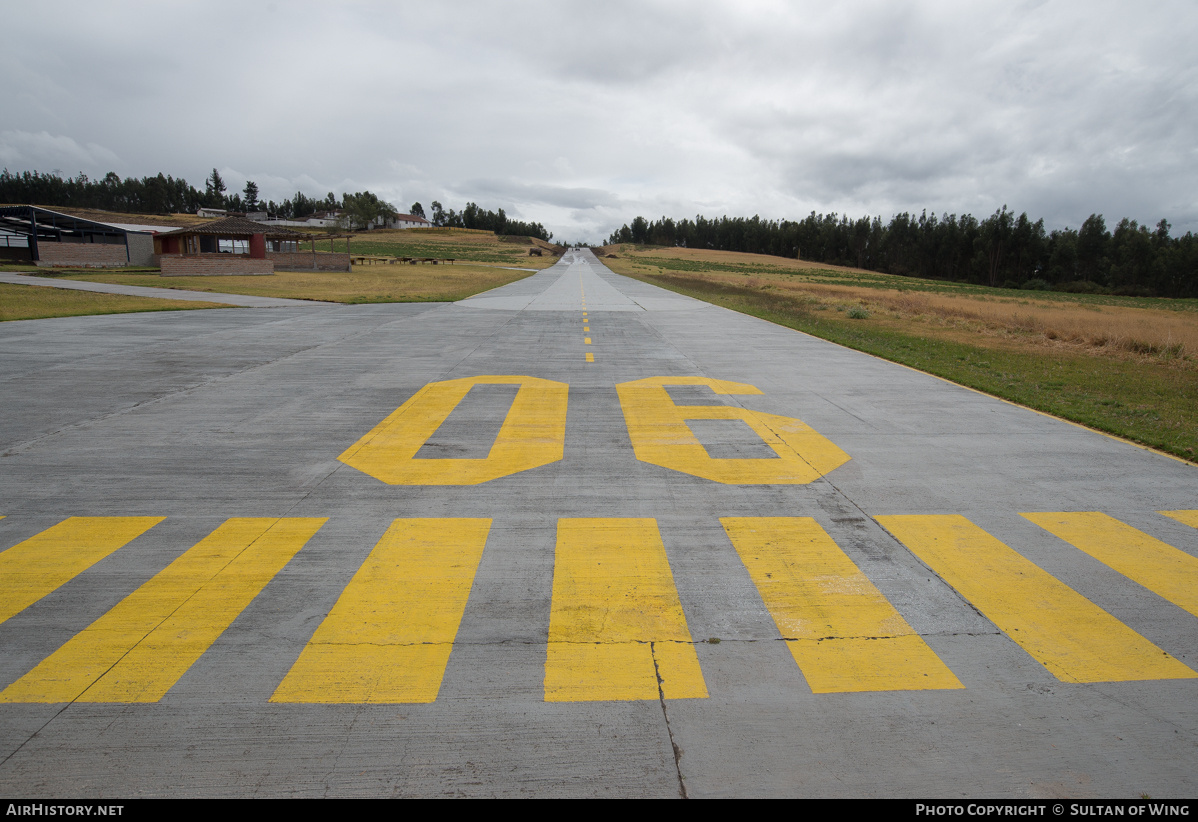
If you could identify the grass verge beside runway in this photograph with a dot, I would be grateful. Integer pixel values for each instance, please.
(28, 302)
(1125, 366)
(365, 284)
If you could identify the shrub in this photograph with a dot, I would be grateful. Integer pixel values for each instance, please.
(1080, 287)
(1133, 291)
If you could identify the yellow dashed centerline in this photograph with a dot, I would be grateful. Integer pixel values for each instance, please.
(586, 327)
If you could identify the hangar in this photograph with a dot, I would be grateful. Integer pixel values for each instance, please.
(51, 238)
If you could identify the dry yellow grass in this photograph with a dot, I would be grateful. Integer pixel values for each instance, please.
(366, 283)
(707, 255)
(32, 302)
(1023, 317)
(1113, 330)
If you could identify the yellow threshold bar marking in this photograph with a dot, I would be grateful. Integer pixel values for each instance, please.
(46, 561)
(1156, 565)
(1066, 633)
(139, 649)
(844, 635)
(616, 625)
(388, 638)
(1189, 518)
(590, 357)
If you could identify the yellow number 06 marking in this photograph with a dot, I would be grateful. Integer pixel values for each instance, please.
(660, 436)
(533, 434)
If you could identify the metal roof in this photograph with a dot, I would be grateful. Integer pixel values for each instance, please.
(23, 219)
(139, 228)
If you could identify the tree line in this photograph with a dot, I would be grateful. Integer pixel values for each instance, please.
(160, 194)
(472, 216)
(1002, 250)
(163, 194)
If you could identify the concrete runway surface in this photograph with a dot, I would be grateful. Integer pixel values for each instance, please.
(575, 536)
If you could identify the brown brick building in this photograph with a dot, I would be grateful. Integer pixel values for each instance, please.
(236, 245)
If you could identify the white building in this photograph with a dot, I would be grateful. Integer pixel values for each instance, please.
(409, 221)
(327, 219)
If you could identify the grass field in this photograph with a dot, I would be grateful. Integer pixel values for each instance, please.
(30, 302)
(444, 243)
(365, 284)
(1127, 366)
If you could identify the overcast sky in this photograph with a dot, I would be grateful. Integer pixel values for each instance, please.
(583, 115)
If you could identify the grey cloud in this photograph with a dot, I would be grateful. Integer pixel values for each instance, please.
(25, 148)
(582, 116)
(515, 191)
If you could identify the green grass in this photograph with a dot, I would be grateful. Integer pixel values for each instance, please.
(457, 251)
(476, 247)
(1154, 403)
(365, 284)
(33, 302)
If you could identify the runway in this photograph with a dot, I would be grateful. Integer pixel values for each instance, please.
(576, 536)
